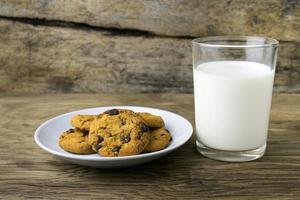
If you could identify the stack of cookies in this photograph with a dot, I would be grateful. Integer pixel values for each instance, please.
(116, 132)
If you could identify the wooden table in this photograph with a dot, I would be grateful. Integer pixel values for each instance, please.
(26, 171)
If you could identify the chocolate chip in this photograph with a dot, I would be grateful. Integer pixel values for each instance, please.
(116, 149)
(97, 147)
(70, 131)
(112, 112)
(100, 139)
(144, 128)
(125, 138)
(85, 132)
(167, 130)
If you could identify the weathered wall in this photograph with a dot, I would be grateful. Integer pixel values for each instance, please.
(51, 46)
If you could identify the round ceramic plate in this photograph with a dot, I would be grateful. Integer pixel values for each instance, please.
(47, 135)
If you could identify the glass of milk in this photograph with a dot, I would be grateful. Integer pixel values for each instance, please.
(233, 82)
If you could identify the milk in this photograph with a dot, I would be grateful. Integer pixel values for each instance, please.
(232, 104)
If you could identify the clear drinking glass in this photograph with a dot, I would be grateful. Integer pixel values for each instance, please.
(233, 82)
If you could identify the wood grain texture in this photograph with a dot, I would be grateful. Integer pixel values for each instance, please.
(46, 59)
(27, 172)
(274, 18)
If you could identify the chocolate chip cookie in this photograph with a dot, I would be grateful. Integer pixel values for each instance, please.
(82, 122)
(150, 120)
(159, 139)
(75, 141)
(118, 132)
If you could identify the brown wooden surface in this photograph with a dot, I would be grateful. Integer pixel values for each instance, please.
(132, 46)
(28, 172)
(275, 18)
(49, 59)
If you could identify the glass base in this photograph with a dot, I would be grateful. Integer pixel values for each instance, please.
(231, 156)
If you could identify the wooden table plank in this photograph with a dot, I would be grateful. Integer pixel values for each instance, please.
(50, 59)
(168, 18)
(26, 171)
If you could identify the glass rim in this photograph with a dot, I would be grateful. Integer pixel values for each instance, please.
(208, 41)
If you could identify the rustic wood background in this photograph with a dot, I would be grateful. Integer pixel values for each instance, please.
(133, 46)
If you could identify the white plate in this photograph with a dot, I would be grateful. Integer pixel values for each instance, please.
(47, 135)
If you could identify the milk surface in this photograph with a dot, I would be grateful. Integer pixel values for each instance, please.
(232, 104)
